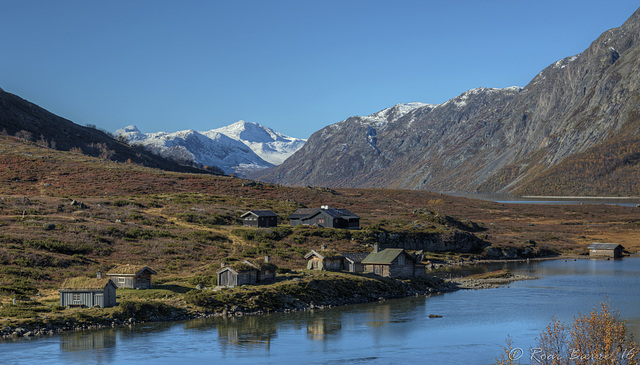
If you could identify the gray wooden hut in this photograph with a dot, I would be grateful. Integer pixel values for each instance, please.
(260, 218)
(605, 250)
(131, 276)
(353, 261)
(329, 260)
(238, 273)
(88, 292)
(325, 217)
(392, 262)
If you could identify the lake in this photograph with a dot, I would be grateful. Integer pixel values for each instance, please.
(472, 330)
(552, 200)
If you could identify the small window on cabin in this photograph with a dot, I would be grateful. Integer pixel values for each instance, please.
(401, 260)
(76, 297)
(120, 280)
(320, 220)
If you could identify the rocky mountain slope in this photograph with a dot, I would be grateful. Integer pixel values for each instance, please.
(239, 148)
(496, 140)
(30, 122)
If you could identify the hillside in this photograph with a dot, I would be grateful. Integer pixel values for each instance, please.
(64, 214)
(496, 140)
(33, 123)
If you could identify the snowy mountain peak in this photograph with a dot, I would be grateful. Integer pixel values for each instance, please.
(238, 148)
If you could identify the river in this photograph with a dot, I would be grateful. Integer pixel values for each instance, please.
(472, 330)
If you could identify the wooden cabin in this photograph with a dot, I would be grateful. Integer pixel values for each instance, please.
(266, 269)
(353, 261)
(325, 217)
(238, 273)
(131, 276)
(605, 250)
(329, 260)
(88, 292)
(260, 218)
(392, 262)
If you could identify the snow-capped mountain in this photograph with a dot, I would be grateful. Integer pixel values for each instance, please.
(239, 148)
(271, 146)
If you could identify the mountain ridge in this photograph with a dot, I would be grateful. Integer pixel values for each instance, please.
(485, 140)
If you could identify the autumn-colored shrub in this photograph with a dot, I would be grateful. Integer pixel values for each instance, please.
(598, 338)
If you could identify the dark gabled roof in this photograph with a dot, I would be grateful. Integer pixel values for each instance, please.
(336, 213)
(341, 213)
(304, 212)
(385, 256)
(604, 246)
(260, 213)
(355, 257)
(130, 270)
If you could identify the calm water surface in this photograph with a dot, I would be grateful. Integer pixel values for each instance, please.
(472, 330)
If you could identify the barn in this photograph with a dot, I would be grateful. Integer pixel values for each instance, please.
(605, 250)
(88, 292)
(260, 218)
(325, 217)
(131, 276)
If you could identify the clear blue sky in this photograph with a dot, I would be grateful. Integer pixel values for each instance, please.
(295, 66)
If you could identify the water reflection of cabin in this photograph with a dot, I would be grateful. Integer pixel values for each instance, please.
(325, 217)
(260, 218)
(131, 276)
(88, 292)
(605, 250)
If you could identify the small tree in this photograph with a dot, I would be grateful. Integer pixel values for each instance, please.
(599, 338)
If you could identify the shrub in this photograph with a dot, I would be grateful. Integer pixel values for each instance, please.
(597, 338)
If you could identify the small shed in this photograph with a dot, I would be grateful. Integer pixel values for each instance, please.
(392, 262)
(131, 276)
(260, 218)
(600, 250)
(353, 261)
(238, 273)
(329, 260)
(88, 292)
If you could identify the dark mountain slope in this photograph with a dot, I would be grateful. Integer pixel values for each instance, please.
(31, 122)
(486, 139)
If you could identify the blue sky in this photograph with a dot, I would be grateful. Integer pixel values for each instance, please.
(295, 66)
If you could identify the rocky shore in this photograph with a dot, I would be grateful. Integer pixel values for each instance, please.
(324, 290)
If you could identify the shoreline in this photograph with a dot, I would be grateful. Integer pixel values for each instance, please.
(119, 317)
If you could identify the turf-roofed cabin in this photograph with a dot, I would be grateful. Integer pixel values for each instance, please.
(131, 276)
(260, 218)
(88, 292)
(392, 262)
(246, 272)
(325, 217)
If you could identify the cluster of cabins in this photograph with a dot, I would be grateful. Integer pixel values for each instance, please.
(391, 262)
